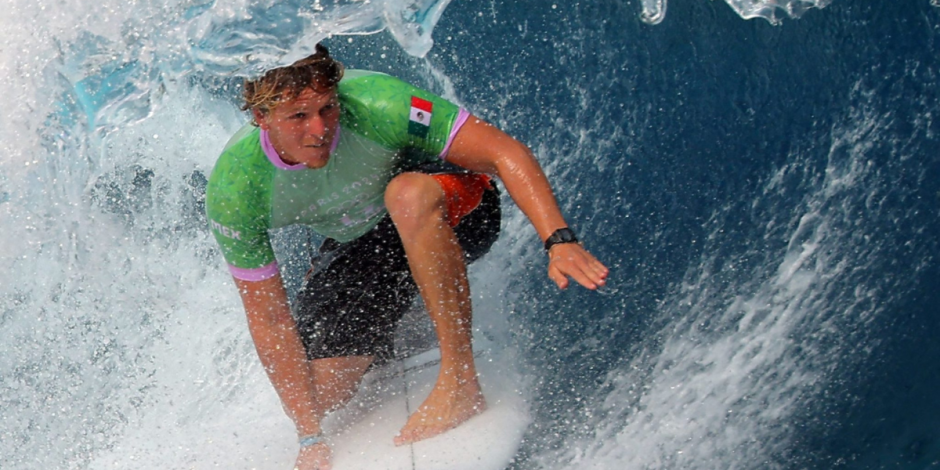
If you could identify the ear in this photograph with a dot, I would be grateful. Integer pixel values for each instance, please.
(261, 118)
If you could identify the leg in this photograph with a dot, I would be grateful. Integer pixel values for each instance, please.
(336, 380)
(345, 313)
(417, 206)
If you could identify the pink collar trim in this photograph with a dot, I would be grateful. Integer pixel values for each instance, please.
(275, 158)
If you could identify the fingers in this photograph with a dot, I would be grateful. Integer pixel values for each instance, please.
(560, 279)
(315, 457)
(572, 260)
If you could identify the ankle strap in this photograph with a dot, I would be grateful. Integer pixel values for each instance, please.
(309, 440)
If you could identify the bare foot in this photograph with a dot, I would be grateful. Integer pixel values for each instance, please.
(444, 409)
(315, 457)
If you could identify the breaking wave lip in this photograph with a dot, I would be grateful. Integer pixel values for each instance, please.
(654, 11)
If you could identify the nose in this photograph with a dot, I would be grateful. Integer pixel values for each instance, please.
(316, 127)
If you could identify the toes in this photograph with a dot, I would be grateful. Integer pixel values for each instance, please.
(419, 433)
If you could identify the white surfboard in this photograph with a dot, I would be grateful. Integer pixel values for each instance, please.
(362, 433)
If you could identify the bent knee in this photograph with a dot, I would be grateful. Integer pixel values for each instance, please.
(414, 196)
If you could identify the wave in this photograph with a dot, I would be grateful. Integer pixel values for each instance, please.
(760, 286)
(744, 352)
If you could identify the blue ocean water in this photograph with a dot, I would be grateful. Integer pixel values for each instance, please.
(766, 196)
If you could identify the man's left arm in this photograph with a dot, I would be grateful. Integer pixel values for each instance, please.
(481, 147)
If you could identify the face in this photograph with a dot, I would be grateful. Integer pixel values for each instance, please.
(302, 130)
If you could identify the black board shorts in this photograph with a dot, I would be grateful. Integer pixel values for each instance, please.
(355, 293)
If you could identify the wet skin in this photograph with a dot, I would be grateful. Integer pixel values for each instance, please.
(302, 130)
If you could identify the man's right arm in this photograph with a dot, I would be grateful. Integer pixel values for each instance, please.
(278, 343)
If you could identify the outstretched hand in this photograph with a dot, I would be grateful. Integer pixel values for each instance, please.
(572, 260)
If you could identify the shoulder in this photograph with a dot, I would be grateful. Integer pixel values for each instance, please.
(364, 93)
(362, 90)
(395, 113)
(366, 84)
(240, 172)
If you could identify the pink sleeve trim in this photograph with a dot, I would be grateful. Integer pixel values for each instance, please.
(462, 117)
(255, 274)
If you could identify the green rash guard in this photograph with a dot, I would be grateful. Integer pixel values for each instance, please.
(386, 126)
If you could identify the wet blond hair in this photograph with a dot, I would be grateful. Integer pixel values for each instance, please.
(319, 72)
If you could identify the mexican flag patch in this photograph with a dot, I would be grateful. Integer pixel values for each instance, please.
(419, 122)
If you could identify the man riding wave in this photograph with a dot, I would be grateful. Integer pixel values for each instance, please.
(399, 181)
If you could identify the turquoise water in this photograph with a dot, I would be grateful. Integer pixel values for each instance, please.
(764, 190)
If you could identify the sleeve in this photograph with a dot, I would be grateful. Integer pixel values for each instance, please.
(238, 219)
(399, 116)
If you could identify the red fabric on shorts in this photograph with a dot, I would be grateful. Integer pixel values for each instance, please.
(463, 193)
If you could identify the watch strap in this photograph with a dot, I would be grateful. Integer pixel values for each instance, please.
(560, 236)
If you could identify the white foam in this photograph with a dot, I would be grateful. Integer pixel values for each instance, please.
(654, 11)
(125, 343)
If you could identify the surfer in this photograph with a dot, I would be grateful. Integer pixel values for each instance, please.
(398, 180)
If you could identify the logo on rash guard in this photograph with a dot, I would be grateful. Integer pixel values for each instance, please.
(225, 231)
(419, 121)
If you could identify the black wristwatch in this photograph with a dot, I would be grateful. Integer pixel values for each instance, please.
(562, 235)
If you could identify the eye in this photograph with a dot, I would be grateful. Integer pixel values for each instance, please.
(298, 115)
